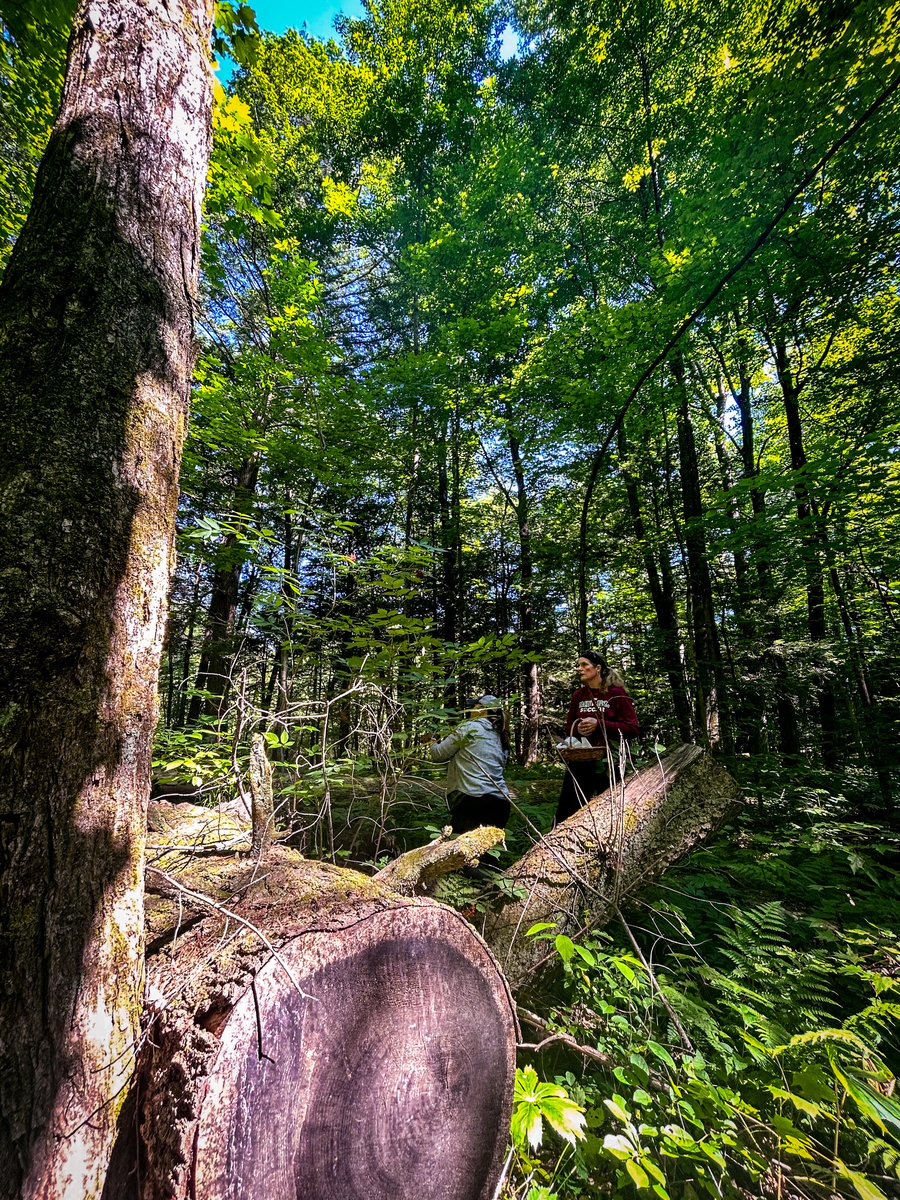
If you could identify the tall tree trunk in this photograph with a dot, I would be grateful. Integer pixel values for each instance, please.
(727, 483)
(749, 699)
(711, 708)
(413, 486)
(871, 735)
(810, 540)
(215, 658)
(449, 537)
(531, 688)
(786, 713)
(96, 355)
(281, 668)
(415, 454)
(662, 597)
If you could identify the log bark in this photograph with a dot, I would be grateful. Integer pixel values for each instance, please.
(417, 868)
(581, 871)
(310, 1033)
(96, 356)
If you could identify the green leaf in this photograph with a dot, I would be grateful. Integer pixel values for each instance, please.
(566, 1117)
(865, 1188)
(806, 1106)
(565, 948)
(662, 1054)
(586, 954)
(618, 1145)
(625, 969)
(534, 1102)
(617, 1110)
(637, 1173)
(882, 1110)
(812, 1082)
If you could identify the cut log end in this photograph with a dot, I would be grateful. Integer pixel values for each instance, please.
(387, 1079)
(371, 1057)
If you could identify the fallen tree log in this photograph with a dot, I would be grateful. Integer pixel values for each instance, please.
(310, 1033)
(578, 874)
(313, 1032)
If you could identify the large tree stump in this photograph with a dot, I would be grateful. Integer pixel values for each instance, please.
(365, 1048)
(578, 874)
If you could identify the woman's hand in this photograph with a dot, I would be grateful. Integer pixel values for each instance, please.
(587, 725)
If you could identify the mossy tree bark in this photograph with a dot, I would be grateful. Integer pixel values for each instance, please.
(96, 356)
(577, 875)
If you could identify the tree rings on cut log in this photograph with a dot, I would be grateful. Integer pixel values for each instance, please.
(387, 1076)
(364, 1049)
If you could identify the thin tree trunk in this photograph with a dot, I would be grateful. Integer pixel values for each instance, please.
(415, 455)
(712, 714)
(285, 649)
(449, 538)
(810, 539)
(749, 700)
(870, 736)
(531, 688)
(663, 600)
(786, 713)
(215, 658)
(96, 356)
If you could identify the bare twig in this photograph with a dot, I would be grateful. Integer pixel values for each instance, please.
(598, 1056)
(654, 983)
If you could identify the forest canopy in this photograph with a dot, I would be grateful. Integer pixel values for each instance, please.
(591, 346)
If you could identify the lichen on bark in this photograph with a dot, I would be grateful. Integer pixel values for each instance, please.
(96, 356)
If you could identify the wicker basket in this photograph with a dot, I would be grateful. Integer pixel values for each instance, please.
(582, 753)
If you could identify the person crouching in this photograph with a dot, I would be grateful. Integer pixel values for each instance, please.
(476, 753)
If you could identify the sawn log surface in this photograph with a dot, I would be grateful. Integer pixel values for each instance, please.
(371, 1056)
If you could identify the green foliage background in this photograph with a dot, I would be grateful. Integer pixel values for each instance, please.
(597, 342)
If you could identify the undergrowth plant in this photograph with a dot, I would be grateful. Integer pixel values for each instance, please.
(778, 951)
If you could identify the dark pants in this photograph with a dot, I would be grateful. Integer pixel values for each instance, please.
(470, 812)
(592, 778)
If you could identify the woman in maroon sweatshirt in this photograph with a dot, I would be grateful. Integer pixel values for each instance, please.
(600, 710)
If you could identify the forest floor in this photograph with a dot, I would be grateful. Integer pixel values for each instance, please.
(776, 945)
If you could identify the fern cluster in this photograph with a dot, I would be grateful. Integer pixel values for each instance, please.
(775, 955)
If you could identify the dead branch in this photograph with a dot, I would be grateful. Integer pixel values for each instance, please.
(427, 863)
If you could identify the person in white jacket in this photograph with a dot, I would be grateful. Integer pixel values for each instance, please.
(476, 753)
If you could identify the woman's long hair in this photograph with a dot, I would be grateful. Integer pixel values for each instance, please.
(609, 676)
(499, 722)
